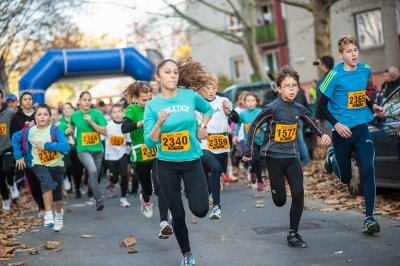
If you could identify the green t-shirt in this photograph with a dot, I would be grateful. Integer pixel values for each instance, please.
(87, 139)
(135, 113)
(63, 125)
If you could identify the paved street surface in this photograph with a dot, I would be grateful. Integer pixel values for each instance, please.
(245, 236)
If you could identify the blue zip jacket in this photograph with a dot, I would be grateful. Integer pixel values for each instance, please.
(22, 147)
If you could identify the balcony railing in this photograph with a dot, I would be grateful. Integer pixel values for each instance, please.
(265, 33)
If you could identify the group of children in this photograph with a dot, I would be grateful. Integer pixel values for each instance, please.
(181, 135)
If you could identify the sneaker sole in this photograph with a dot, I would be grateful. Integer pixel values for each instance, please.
(167, 231)
(215, 217)
(100, 208)
(297, 246)
(48, 225)
(373, 229)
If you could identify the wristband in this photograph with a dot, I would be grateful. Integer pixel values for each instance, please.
(203, 126)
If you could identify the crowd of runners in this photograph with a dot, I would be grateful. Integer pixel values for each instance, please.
(174, 135)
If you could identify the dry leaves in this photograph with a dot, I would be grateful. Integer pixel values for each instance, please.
(129, 242)
(86, 236)
(51, 244)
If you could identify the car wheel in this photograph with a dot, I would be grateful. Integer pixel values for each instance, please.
(355, 186)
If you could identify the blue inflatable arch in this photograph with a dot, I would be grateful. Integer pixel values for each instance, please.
(56, 64)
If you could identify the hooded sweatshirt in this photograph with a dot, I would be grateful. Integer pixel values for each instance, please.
(19, 120)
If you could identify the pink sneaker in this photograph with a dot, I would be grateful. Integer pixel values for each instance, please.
(260, 186)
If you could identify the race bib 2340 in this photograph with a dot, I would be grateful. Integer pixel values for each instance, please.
(175, 141)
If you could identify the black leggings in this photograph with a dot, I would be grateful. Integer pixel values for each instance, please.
(120, 167)
(256, 163)
(34, 187)
(170, 175)
(6, 174)
(290, 168)
(146, 173)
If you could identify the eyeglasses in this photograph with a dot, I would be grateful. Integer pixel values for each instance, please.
(288, 86)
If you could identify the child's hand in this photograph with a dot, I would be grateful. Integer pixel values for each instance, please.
(40, 146)
(246, 159)
(20, 164)
(88, 118)
(235, 140)
(343, 130)
(226, 107)
(379, 111)
(325, 140)
(140, 123)
(162, 116)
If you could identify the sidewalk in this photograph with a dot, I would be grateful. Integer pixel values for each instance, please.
(245, 236)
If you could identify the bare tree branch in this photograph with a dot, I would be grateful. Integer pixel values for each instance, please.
(300, 4)
(238, 14)
(216, 8)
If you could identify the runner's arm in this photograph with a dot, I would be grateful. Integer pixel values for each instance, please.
(323, 108)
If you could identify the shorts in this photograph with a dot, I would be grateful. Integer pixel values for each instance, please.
(51, 179)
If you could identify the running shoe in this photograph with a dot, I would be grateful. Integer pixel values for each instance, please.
(327, 162)
(165, 230)
(58, 221)
(295, 240)
(99, 205)
(371, 226)
(6, 205)
(14, 191)
(124, 202)
(146, 207)
(188, 259)
(260, 186)
(215, 213)
(48, 219)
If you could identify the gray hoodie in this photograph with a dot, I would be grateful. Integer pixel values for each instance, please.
(6, 115)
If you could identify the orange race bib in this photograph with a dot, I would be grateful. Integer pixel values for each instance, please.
(147, 153)
(3, 129)
(285, 133)
(356, 99)
(90, 138)
(246, 127)
(217, 141)
(175, 141)
(46, 156)
(117, 140)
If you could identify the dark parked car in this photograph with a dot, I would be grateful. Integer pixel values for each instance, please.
(385, 133)
(265, 90)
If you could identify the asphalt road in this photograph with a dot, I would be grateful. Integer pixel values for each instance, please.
(246, 235)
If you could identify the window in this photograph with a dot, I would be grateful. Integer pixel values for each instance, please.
(234, 25)
(237, 68)
(271, 63)
(369, 29)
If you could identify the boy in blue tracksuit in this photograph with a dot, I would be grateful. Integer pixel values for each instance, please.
(346, 106)
(41, 148)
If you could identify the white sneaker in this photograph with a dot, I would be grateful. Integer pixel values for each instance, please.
(48, 219)
(14, 191)
(146, 207)
(66, 184)
(215, 213)
(58, 221)
(124, 202)
(165, 230)
(6, 205)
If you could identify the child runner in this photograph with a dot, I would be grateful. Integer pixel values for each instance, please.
(216, 147)
(24, 118)
(116, 151)
(280, 148)
(44, 144)
(347, 108)
(6, 157)
(246, 117)
(145, 166)
(170, 125)
(73, 167)
(89, 123)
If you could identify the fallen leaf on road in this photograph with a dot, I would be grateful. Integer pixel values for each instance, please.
(51, 244)
(132, 250)
(86, 236)
(7, 252)
(308, 207)
(18, 264)
(57, 249)
(33, 251)
(339, 252)
(194, 220)
(349, 260)
(35, 230)
(259, 206)
(332, 201)
(327, 210)
(129, 241)
(25, 246)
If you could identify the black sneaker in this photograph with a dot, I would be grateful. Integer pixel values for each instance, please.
(327, 162)
(371, 226)
(99, 205)
(295, 240)
(78, 194)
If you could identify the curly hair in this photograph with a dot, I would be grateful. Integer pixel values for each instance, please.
(286, 71)
(193, 74)
(134, 89)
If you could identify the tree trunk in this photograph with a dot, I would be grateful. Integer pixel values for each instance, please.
(322, 22)
(256, 62)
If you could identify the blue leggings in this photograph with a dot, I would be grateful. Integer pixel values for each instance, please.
(360, 142)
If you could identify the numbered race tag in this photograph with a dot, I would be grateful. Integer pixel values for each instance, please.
(247, 128)
(176, 141)
(285, 133)
(217, 141)
(117, 140)
(147, 153)
(46, 156)
(90, 138)
(3, 129)
(356, 99)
